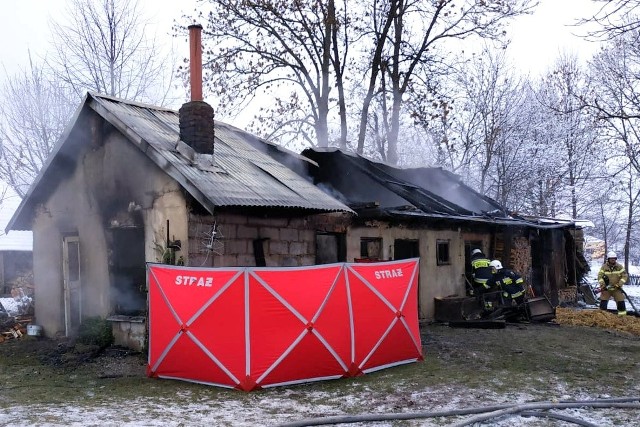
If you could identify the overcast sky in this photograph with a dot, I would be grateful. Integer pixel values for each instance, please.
(24, 25)
(537, 39)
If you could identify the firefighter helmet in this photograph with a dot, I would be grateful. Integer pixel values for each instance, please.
(496, 264)
(611, 254)
(476, 252)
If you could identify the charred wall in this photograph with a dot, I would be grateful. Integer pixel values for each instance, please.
(112, 186)
(437, 279)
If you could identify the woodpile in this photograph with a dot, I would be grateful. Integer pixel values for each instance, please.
(16, 313)
(14, 327)
(568, 295)
(520, 257)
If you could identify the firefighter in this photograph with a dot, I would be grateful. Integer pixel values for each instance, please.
(482, 274)
(611, 277)
(510, 283)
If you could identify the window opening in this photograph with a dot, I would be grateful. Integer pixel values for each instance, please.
(371, 248)
(405, 248)
(442, 252)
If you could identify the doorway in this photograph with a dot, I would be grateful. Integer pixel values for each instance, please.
(128, 271)
(330, 248)
(72, 285)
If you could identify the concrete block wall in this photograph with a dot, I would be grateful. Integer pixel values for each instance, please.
(287, 241)
(129, 334)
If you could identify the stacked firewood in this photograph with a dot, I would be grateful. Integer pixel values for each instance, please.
(14, 327)
(520, 257)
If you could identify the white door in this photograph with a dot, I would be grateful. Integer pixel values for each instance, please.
(72, 288)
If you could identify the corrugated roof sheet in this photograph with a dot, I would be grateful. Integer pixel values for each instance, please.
(242, 172)
(238, 174)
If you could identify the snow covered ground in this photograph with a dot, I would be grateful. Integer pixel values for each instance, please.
(634, 295)
(284, 406)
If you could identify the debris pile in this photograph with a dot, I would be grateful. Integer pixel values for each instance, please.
(14, 327)
(599, 318)
(16, 312)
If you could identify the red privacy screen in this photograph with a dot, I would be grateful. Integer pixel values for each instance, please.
(249, 328)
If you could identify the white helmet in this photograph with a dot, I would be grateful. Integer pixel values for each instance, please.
(476, 252)
(611, 254)
(496, 264)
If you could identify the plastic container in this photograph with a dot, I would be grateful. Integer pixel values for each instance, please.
(34, 330)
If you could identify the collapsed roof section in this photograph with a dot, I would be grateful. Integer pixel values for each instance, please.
(379, 190)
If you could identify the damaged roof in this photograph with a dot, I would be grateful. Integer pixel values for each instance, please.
(240, 173)
(375, 189)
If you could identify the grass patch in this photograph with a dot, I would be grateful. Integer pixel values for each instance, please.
(536, 360)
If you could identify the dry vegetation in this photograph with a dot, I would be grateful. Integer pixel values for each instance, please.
(599, 318)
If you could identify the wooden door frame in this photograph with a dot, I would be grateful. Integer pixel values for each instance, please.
(69, 325)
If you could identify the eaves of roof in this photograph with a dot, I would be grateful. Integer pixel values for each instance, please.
(418, 215)
(237, 174)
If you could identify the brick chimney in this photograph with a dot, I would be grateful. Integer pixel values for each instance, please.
(196, 116)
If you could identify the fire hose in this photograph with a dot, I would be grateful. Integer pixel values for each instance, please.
(630, 302)
(482, 413)
(606, 281)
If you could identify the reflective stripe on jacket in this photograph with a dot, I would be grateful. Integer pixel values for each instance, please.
(616, 274)
(482, 271)
(510, 282)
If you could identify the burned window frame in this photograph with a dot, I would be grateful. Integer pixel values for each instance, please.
(402, 246)
(443, 252)
(364, 248)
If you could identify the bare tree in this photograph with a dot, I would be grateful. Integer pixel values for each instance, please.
(631, 191)
(528, 145)
(104, 46)
(409, 48)
(614, 18)
(491, 121)
(616, 103)
(33, 115)
(573, 130)
(606, 213)
(376, 56)
(292, 53)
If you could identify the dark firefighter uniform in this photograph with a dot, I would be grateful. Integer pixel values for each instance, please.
(481, 272)
(511, 284)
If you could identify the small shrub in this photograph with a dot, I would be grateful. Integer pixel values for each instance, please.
(95, 331)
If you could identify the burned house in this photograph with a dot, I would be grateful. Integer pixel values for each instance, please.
(130, 183)
(126, 186)
(429, 213)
